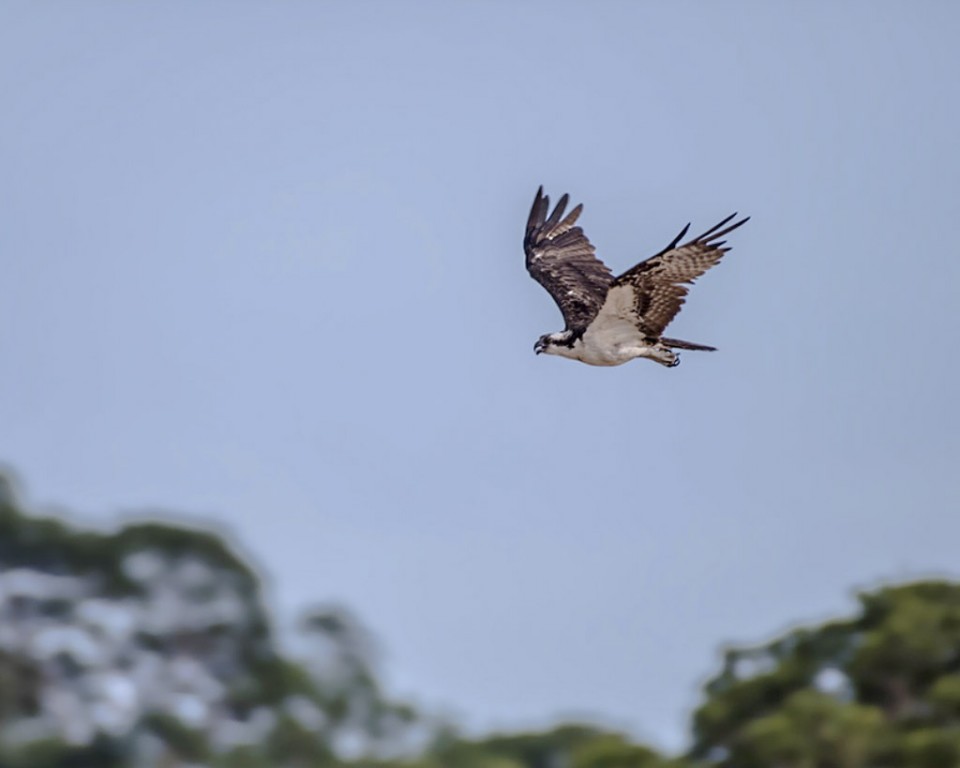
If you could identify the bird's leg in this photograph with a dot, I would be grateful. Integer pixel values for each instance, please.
(667, 357)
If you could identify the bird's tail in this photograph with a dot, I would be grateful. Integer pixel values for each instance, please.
(678, 344)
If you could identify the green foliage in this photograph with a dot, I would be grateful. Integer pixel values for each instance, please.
(944, 699)
(269, 680)
(187, 743)
(547, 749)
(810, 730)
(19, 679)
(894, 700)
(566, 746)
(54, 753)
(294, 746)
(910, 637)
(931, 748)
(615, 751)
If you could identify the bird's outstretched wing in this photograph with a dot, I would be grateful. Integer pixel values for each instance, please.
(562, 260)
(659, 284)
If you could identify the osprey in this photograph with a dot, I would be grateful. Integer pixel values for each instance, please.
(610, 320)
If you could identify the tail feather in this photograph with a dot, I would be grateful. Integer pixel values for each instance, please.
(679, 344)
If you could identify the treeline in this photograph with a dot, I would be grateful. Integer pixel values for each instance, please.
(150, 646)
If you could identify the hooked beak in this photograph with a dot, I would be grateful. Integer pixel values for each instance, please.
(538, 347)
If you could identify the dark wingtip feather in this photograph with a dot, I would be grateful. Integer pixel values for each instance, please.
(729, 229)
(572, 216)
(710, 232)
(678, 238)
(538, 211)
(539, 196)
(717, 229)
(557, 212)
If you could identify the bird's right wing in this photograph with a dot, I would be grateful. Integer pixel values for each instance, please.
(562, 260)
(658, 286)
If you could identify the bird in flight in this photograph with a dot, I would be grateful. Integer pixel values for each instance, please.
(610, 320)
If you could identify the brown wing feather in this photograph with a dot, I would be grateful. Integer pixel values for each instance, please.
(659, 282)
(562, 260)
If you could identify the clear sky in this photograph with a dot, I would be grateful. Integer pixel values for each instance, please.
(262, 265)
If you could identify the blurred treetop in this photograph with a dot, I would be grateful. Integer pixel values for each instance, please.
(152, 646)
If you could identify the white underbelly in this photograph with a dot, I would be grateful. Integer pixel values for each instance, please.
(610, 348)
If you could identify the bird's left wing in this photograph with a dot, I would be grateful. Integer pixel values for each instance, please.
(659, 284)
(562, 260)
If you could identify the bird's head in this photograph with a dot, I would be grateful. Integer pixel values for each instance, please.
(549, 342)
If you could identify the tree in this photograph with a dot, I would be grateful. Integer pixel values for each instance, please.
(151, 645)
(879, 689)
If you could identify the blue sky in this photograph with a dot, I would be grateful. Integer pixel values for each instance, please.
(262, 266)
